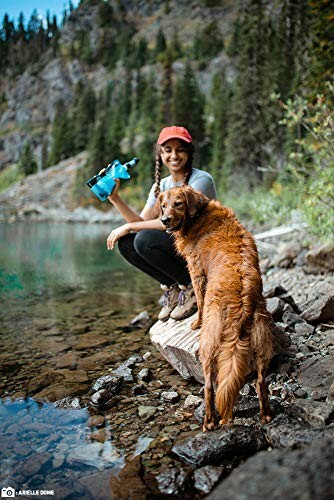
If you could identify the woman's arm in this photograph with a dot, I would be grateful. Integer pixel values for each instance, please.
(127, 212)
(124, 209)
(136, 226)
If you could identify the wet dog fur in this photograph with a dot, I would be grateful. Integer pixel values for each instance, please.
(236, 329)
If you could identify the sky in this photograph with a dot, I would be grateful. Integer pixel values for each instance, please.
(14, 7)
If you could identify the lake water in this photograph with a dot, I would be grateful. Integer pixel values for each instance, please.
(64, 300)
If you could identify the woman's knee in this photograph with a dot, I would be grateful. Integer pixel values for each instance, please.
(147, 239)
(125, 244)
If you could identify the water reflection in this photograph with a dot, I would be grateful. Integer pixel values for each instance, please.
(65, 300)
(46, 447)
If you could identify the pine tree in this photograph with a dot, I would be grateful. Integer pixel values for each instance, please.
(62, 135)
(98, 157)
(83, 116)
(251, 118)
(218, 111)
(290, 45)
(27, 163)
(320, 70)
(208, 42)
(20, 28)
(166, 92)
(160, 43)
(188, 104)
(147, 127)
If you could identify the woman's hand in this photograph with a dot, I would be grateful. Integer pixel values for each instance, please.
(116, 234)
(114, 193)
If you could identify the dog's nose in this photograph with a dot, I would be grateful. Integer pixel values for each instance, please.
(165, 220)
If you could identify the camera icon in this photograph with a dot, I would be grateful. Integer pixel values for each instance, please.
(8, 492)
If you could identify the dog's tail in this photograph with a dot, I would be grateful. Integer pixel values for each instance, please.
(233, 359)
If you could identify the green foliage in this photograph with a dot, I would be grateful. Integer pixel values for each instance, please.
(208, 42)
(322, 48)
(160, 43)
(188, 104)
(62, 135)
(252, 135)
(27, 163)
(83, 116)
(270, 207)
(310, 168)
(217, 119)
(9, 176)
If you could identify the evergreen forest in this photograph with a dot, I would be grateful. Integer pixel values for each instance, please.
(263, 122)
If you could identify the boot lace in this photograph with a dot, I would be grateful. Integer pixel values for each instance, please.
(182, 297)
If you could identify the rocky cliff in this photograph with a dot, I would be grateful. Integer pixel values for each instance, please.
(29, 99)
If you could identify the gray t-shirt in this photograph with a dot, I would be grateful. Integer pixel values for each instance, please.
(198, 180)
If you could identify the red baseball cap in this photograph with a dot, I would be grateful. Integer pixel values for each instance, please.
(174, 133)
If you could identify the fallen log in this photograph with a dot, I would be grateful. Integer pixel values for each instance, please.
(178, 343)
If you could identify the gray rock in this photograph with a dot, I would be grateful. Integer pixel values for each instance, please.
(145, 374)
(315, 413)
(146, 412)
(290, 317)
(110, 383)
(306, 474)
(248, 390)
(273, 291)
(102, 399)
(170, 396)
(192, 401)
(320, 304)
(124, 372)
(287, 432)
(246, 407)
(316, 373)
(132, 361)
(330, 396)
(171, 481)
(286, 254)
(68, 403)
(328, 338)
(320, 259)
(211, 448)
(319, 395)
(304, 329)
(142, 320)
(275, 307)
(207, 477)
(139, 389)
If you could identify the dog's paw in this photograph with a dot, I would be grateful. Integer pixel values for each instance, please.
(209, 425)
(265, 419)
(225, 422)
(195, 325)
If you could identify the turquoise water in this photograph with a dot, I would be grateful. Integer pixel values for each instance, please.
(46, 259)
(64, 298)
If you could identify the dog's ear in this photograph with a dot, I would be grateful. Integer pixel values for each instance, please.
(159, 203)
(196, 201)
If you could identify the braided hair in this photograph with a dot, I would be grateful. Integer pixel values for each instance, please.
(189, 147)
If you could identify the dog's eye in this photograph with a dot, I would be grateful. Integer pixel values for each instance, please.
(177, 203)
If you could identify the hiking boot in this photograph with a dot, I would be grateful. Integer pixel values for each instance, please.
(187, 304)
(170, 301)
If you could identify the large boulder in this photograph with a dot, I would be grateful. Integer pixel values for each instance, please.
(305, 474)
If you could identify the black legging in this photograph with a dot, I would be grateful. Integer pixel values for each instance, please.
(153, 252)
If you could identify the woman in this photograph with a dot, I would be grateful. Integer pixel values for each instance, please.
(143, 240)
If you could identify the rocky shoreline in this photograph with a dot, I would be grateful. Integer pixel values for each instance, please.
(153, 417)
(47, 197)
(144, 396)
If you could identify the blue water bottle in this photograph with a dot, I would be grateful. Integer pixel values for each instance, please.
(103, 183)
